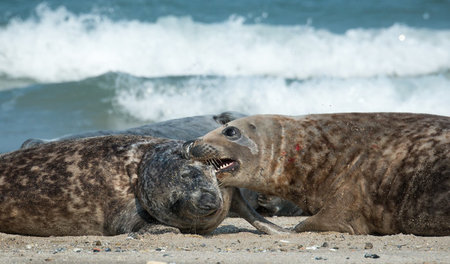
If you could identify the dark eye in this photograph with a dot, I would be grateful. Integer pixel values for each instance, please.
(232, 133)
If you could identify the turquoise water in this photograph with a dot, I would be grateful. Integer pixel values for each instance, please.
(72, 66)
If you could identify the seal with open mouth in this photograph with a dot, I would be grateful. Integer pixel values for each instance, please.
(361, 173)
(185, 129)
(112, 185)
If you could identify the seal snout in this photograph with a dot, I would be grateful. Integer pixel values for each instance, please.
(209, 155)
(208, 202)
(196, 150)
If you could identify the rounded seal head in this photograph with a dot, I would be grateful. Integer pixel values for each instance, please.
(183, 193)
(236, 148)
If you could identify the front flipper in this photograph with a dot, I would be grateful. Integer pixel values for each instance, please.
(156, 229)
(344, 222)
(240, 206)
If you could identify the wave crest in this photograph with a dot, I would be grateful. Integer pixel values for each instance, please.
(59, 46)
(156, 99)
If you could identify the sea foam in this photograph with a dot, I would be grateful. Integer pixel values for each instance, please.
(58, 45)
(152, 100)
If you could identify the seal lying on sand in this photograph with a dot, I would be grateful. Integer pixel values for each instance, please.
(111, 185)
(182, 128)
(185, 129)
(361, 173)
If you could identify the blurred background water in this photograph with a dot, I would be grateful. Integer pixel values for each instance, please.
(71, 66)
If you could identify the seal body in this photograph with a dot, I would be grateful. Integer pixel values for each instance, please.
(185, 129)
(361, 173)
(107, 186)
(182, 129)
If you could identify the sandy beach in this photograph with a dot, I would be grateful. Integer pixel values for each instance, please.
(234, 241)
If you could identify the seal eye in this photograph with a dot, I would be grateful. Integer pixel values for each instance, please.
(232, 133)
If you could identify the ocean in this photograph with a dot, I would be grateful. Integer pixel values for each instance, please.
(73, 66)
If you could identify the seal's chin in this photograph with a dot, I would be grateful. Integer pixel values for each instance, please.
(195, 213)
(199, 210)
(223, 165)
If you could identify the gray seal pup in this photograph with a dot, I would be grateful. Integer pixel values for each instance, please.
(360, 173)
(185, 129)
(112, 185)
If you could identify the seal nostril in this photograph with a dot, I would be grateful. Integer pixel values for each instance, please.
(208, 201)
(187, 148)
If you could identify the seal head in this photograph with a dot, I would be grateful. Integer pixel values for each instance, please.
(181, 192)
(239, 144)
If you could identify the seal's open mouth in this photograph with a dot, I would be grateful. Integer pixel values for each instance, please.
(223, 165)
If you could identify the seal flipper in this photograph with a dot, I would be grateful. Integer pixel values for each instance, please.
(327, 220)
(240, 206)
(155, 229)
(33, 142)
(227, 117)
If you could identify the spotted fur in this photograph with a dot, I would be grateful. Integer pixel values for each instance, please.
(107, 186)
(187, 128)
(361, 173)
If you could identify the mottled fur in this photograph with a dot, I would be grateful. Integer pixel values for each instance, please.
(185, 129)
(361, 173)
(107, 186)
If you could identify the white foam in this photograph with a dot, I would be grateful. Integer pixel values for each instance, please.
(153, 101)
(60, 46)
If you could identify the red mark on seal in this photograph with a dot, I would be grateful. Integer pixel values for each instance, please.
(283, 153)
(297, 147)
(291, 160)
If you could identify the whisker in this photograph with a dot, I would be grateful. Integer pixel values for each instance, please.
(219, 163)
(216, 164)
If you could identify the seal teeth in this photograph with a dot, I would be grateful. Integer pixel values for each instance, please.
(219, 164)
(223, 166)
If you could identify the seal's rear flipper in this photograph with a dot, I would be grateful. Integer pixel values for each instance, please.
(240, 206)
(227, 117)
(32, 142)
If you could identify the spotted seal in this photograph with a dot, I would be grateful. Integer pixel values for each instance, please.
(187, 128)
(112, 185)
(361, 173)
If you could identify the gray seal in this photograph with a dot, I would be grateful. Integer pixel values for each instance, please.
(361, 173)
(111, 185)
(182, 129)
(185, 129)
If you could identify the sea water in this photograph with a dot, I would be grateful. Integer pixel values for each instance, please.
(72, 66)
